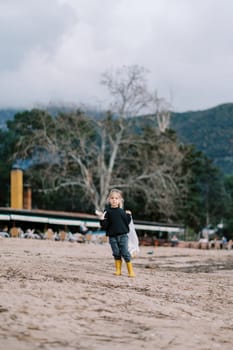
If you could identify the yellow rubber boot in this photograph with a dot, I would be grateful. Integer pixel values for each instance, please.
(118, 264)
(130, 269)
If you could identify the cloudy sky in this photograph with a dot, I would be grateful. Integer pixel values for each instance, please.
(54, 51)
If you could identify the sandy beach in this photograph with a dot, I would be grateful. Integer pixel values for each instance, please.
(63, 295)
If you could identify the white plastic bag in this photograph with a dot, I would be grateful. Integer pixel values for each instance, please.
(133, 243)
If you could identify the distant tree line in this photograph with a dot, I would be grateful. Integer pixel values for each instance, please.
(73, 159)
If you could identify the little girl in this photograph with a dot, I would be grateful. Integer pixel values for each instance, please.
(115, 221)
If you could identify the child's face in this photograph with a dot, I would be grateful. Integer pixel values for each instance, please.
(115, 200)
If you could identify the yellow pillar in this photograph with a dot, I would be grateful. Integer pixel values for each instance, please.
(16, 189)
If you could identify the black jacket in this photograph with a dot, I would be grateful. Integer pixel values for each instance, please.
(116, 222)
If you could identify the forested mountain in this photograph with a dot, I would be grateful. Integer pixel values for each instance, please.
(211, 131)
(6, 114)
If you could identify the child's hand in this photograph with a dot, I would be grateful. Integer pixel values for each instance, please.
(100, 214)
(128, 212)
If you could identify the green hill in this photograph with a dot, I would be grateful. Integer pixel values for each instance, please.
(211, 131)
(6, 114)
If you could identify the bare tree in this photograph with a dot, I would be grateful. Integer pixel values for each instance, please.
(83, 151)
(128, 89)
(161, 110)
(95, 154)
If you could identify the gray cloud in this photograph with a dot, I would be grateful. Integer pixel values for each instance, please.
(31, 25)
(56, 50)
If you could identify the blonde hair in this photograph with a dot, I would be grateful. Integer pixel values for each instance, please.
(115, 190)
